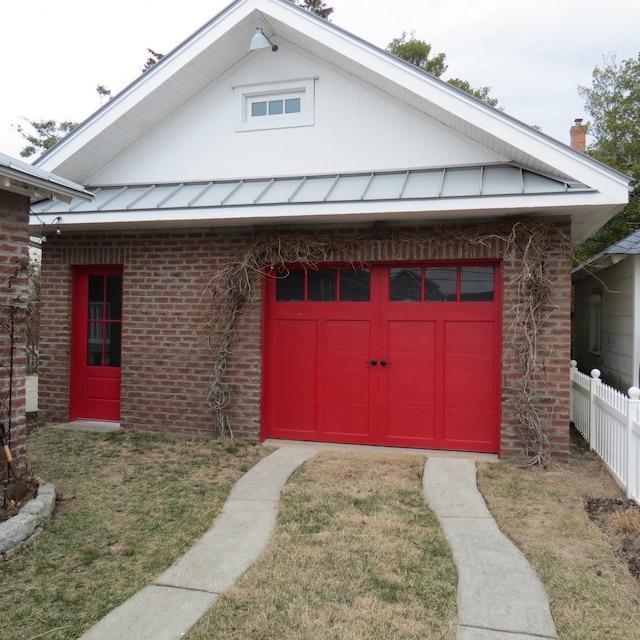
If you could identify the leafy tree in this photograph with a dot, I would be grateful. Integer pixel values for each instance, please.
(418, 53)
(482, 93)
(613, 102)
(319, 7)
(44, 135)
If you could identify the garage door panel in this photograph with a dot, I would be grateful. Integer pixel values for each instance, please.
(347, 418)
(294, 377)
(415, 424)
(469, 337)
(469, 383)
(465, 427)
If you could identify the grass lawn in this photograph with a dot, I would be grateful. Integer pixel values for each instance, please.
(356, 554)
(129, 505)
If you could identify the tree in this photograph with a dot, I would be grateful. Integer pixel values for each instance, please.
(482, 93)
(45, 134)
(613, 103)
(417, 52)
(319, 7)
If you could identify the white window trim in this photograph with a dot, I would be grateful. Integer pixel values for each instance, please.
(246, 94)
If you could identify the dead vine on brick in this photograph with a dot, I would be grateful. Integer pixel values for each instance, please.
(231, 292)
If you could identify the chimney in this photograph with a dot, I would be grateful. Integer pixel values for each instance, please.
(578, 136)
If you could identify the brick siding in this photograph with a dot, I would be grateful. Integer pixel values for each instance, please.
(165, 364)
(14, 257)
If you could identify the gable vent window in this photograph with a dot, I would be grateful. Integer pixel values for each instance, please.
(275, 105)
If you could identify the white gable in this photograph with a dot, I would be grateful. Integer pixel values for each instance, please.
(178, 123)
(355, 127)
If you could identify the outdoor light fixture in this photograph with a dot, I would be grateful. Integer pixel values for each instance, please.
(56, 221)
(260, 41)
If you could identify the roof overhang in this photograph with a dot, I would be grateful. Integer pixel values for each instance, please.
(25, 180)
(483, 192)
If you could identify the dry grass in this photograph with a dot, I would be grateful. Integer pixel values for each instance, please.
(593, 595)
(356, 554)
(129, 505)
(625, 523)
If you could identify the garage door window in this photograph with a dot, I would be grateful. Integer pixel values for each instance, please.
(442, 284)
(324, 285)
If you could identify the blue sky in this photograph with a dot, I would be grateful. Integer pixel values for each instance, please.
(532, 55)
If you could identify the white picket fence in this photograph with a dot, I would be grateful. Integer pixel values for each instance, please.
(610, 422)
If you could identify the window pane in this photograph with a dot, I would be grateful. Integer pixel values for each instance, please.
(96, 296)
(290, 287)
(292, 105)
(114, 340)
(440, 284)
(114, 298)
(476, 284)
(275, 107)
(354, 285)
(258, 109)
(322, 285)
(94, 344)
(405, 285)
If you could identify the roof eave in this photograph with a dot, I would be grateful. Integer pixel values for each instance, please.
(580, 208)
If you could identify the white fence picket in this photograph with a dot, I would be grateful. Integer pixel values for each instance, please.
(610, 422)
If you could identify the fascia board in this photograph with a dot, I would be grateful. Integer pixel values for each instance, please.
(454, 208)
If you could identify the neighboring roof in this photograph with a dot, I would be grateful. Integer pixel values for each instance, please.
(611, 255)
(22, 178)
(222, 43)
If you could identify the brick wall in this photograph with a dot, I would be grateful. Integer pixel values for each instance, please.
(165, 365)
(14, 257)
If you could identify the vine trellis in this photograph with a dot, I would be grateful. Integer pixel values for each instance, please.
(525, 244)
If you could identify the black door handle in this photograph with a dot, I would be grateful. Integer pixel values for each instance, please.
(384, 363)
(373, 363)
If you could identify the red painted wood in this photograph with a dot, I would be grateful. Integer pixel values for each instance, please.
(441, 388)
(95, 390)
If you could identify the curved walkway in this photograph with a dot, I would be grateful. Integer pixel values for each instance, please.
(499, 595)
(173, 604)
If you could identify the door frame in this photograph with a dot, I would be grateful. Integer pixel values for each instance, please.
(79, 301)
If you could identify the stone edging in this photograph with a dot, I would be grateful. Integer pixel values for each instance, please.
(28, 523)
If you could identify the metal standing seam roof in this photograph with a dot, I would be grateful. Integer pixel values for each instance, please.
(415, 184)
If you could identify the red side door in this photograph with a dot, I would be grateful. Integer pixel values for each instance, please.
(96, 343)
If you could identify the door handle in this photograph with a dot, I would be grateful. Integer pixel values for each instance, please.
(384, 363)
(373, 363)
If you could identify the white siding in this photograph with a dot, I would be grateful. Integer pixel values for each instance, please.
(357, 128)
(617, 359)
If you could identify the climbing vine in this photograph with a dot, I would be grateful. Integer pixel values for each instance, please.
(525, 244)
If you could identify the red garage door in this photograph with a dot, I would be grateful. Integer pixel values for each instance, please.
(389, 355)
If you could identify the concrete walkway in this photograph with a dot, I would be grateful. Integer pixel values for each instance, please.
(167, 609)
(499, 595)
